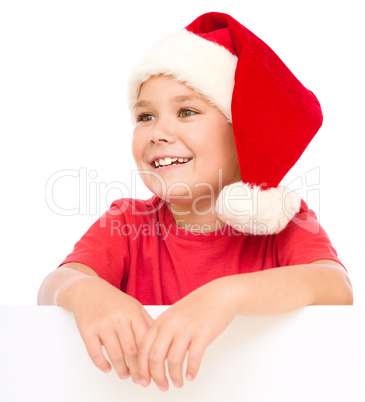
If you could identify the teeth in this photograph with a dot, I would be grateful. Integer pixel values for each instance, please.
(167, 161)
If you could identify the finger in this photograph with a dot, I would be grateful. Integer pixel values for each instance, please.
(93, 347)
(130, 351)
(157, 357)
(195, 354)
(130, 343)
(143, 356)
(140, 327)
(175, 360)
(116, 356)
(148, 318)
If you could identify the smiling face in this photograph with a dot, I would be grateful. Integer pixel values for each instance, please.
(183, 146)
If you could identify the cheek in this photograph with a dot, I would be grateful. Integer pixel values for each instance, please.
(228, 156)
(134, 150)
(137, 149)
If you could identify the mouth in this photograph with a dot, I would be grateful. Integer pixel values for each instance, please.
(169, 161)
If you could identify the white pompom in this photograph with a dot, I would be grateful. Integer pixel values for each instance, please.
(252, 210)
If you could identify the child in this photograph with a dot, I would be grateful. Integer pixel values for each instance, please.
(219, 121)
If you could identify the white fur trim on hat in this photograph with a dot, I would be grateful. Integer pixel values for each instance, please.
(250, 209)
(204, 66)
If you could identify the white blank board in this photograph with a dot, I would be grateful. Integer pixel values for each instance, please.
(313, 354)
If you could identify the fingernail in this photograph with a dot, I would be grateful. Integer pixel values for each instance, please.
(107, 370)
(189, 377)
(125, 377)
(177, 385)
(143, 382)
(162, 388)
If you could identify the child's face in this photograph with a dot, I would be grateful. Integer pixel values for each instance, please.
(173, 121)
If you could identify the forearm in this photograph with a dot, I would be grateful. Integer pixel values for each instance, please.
(284, 289)
(61, 285)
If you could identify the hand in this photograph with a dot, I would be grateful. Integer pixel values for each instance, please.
(106, 316)
(188, 326)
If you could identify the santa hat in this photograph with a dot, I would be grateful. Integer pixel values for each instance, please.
(274, 117)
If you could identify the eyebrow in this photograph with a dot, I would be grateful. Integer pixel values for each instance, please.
(183, 98)
(175, 99)
(142, 103)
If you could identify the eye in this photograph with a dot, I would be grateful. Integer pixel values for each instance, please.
(145, 117)
(186, 112)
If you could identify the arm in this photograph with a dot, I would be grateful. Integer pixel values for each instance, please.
(281, 290)
(104, 316)
(62, 281)
(195, 321)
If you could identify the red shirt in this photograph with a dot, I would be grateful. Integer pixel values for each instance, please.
(137, 247)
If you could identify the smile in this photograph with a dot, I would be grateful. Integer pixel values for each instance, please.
(170, 161)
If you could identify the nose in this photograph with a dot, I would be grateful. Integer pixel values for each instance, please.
(161, 133)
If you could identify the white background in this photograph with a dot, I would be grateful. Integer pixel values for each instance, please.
(63, 72)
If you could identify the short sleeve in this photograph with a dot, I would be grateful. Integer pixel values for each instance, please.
(304, 241)
(104, 248)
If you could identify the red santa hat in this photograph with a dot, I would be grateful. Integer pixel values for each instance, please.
(274, 117)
